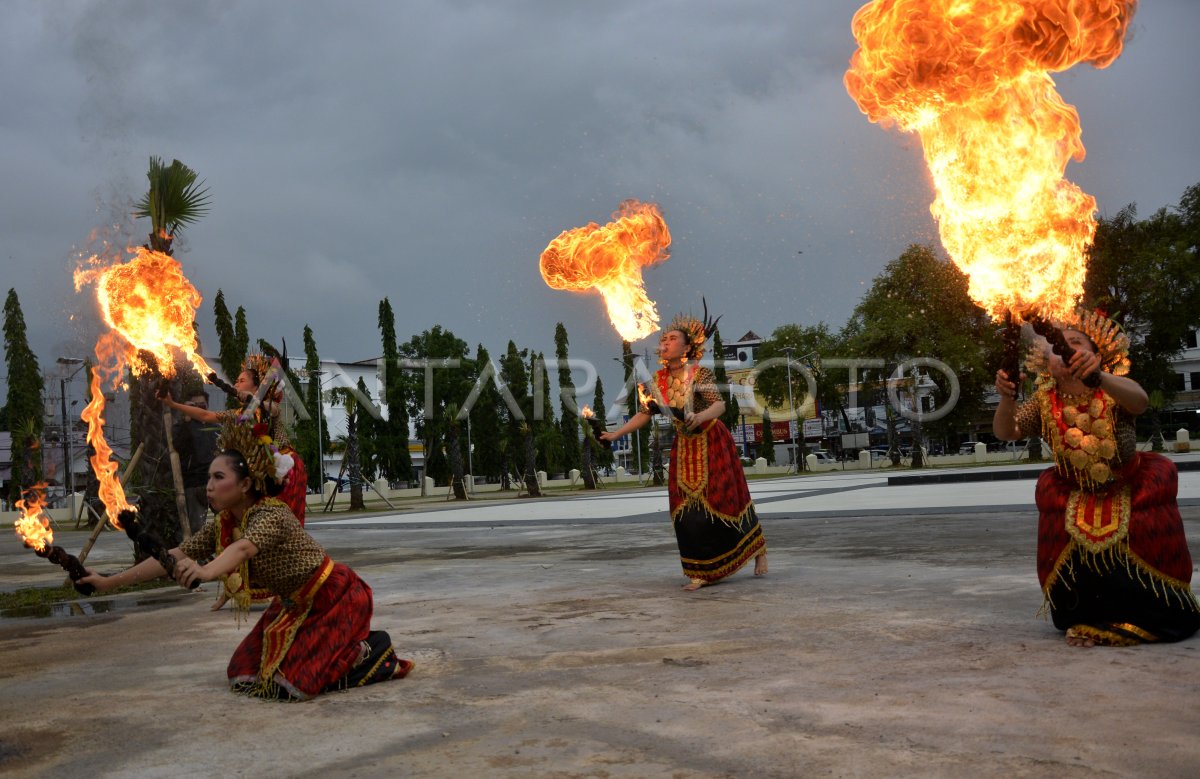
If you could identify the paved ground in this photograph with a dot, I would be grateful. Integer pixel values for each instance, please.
(895, 636)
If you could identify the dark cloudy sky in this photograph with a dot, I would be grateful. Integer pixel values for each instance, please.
(429, 150)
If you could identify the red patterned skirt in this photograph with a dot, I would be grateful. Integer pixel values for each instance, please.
(317, 639)
(1114, 565)
(715, 524)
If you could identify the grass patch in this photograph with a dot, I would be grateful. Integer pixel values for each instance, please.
(27, 597)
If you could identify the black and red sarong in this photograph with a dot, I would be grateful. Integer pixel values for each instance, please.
(1114, 564)
(715, 524)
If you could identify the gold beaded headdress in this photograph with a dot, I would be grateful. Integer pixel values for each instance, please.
(1112, 343)
(257, 365)
(696, 331)
(267, 466)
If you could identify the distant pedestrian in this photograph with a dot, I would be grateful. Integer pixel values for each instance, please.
(196, 442)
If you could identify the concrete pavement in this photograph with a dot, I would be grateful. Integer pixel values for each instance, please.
(896, 635)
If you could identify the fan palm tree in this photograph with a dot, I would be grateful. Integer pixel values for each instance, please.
(174, 201)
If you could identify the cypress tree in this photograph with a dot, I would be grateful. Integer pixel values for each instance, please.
(395, 463)
(568, 420)
(23, 405)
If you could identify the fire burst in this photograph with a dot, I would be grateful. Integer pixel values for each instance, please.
(33, 526)
(610, 259)
(150, 306)
(971, 77)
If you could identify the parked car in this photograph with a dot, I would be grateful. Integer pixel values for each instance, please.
(967, 447)
(823, 457)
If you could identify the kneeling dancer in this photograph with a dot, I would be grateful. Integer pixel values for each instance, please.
(1112, 557)
(315, 635)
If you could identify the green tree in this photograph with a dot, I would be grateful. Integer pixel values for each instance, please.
(604, 456)
(568, 419)
(343, 396)
(1144, 274)
(733, 411)
(307, 429)
(919, 308)
(229, 361)
(488, 414)
(23, 405)
(395, 463)
(445, 382)
(641, 439)
(241, 339)
(520, 432)
(767, 448)
(808, 345)
(174, 200)
(546, 433)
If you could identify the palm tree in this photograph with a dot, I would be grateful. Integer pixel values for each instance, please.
(173, 200)
(353, 465)
(454, 453)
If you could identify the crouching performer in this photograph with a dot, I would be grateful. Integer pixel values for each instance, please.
(315, 635)
(1112, 557)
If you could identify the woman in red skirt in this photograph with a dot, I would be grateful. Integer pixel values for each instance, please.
(715, 524)
(315, 636)
(1112, 557)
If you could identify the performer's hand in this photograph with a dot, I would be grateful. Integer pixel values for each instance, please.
(1006, 388)
(608, 435)
(1083, 363)
(97, 580)
(690, 420)
(187, 571)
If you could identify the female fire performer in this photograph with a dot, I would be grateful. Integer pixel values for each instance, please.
(1112, 558)
(715, 524)
(315, 636)
(255, 370)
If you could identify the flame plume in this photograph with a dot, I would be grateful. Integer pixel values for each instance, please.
(972, 79)
(150, 306)
(33, 526)
(610, 259)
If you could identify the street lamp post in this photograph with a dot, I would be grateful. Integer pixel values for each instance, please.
(791, 406)
(69, 477)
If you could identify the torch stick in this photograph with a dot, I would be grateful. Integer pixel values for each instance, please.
(1012, 349)
(597, 429)
(133, 461)
(1059, 345)
(185, 525)
(150, 542)
(70, 563)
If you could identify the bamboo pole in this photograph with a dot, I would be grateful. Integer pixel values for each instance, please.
(185, 524)
(133, 461)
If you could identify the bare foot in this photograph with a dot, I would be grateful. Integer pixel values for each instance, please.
(1079, 639)
(760, 564)
(694, 585)
(221, 600)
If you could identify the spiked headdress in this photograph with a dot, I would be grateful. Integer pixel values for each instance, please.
(696, 331)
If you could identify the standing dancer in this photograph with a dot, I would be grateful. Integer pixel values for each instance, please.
(715, 524)
(316, 635)
(265, 417)
(1112, 557)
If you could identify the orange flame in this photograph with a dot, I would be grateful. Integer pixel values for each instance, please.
(586, 412)
(643, 398)
(971, 77)
(149, 305)
(610, 259)
(33, 526)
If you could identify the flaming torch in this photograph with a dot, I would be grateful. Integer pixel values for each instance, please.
(972, 79)
(609, 260)
(34, 529)
(149, 306)
(590, 416)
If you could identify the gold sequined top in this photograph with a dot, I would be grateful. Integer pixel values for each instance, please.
(1029, 422)
(287, 556)
(703, 387)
